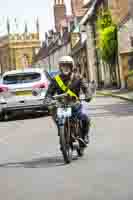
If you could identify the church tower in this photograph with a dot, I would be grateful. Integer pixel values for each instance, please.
(59, 12)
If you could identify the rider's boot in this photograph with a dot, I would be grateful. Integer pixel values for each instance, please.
(86, 131)
(82, 142)
(86, 139)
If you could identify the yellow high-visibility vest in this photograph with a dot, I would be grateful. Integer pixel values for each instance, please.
(64, 87)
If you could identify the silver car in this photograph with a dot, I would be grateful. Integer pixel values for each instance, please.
(22, 90)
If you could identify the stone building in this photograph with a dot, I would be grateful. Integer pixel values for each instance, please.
(57, 42)
(79, 53)
(122, 14)
(18, 50)
(125, 38)
(52, 50)
(94, 66)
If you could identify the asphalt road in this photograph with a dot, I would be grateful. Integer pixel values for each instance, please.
(31, 165)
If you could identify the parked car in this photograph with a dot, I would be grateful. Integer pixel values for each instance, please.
(23, 90)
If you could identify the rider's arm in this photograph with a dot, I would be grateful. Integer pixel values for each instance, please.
(85, 88)
(51, 89)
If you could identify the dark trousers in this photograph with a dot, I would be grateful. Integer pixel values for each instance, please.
(78, 112)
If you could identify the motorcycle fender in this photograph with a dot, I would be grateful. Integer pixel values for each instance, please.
(60, 121)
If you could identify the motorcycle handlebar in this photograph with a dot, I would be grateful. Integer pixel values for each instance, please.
(59, 96)
(65, 95)
(53, 101)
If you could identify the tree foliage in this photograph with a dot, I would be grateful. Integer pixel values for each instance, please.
(107, 38)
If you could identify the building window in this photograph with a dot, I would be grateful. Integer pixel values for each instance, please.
(25, 60)
(130, 62)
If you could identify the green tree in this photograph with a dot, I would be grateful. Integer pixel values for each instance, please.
(107, 43)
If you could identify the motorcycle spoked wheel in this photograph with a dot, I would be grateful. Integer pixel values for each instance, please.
(65, 143)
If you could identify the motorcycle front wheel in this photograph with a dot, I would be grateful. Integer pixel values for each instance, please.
(65, 143)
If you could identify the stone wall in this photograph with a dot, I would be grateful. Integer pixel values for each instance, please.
(91, 53)
(125, 43)
(125, 33)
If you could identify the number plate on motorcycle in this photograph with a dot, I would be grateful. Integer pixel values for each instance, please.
(64, 112)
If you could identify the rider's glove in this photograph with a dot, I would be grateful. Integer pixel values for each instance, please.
(47, 100)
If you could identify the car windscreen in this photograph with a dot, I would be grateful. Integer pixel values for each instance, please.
(21, 78)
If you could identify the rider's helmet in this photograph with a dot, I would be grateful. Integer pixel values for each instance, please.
(66, 61)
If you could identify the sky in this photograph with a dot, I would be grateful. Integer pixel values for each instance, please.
(27, 11)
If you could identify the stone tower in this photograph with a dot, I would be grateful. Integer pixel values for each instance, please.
(77, 8)
(59, 12)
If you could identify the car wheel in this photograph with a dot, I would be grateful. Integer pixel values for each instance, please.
(2, 116)
(48, 112)
(5, 116)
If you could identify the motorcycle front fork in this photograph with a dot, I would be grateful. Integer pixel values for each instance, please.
(60, 123)
(75, 142)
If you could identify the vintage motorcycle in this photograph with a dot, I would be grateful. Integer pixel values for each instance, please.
(69, 127)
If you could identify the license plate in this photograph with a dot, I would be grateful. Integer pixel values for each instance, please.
(64, 112)
(24, 93)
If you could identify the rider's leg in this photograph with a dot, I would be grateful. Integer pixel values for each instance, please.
(85, 124)
(85, 128)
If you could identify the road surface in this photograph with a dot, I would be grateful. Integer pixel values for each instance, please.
(31, 165)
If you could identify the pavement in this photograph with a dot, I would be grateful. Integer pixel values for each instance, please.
(32, 167)
(118, 93)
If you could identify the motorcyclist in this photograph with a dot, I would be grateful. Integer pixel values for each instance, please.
(74, 82)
